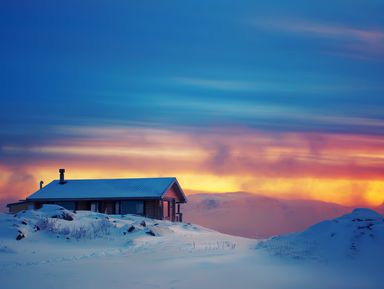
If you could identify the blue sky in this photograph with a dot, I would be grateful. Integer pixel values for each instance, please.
(198, 67)
(192, 63)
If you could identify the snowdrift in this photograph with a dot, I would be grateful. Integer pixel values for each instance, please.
(55, 248)
(56, 222)
(53, 228)
(355, 236)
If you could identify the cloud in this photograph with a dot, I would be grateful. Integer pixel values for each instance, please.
(14, 182)
(228, 151)
(231, 85)
(267, 85)
(225, 159)
(349, 41)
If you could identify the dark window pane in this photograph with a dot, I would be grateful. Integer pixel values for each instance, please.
(132, 207)
(67, 205)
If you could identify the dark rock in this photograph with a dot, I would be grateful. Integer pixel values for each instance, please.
(131, 229)
(20, 236)
(65, 215)
(369, 227)
(143, 223)
(151, 233)
(36, 228)
(24, 222)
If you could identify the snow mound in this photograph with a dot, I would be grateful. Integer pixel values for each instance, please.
(358, 235)
(55, 222)
(54, 235)
(51, 211)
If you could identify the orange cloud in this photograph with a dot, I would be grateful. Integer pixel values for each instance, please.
(347, 169)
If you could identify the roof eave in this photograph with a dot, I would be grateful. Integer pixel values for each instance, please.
(91, 199)
(17, 203)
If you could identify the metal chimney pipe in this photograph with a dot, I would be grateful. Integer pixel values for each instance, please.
(62, 171)
(41, 184)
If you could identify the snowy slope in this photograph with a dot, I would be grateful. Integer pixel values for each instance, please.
(35, 236)
(60, 249)
(355, 236)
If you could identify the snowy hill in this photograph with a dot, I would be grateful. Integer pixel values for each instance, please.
(255, 216)
(55, 248)
(56, 225)
(356, 236)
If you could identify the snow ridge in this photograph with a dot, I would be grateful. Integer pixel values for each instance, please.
(358, 235)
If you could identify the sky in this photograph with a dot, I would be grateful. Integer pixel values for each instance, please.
(279, 98)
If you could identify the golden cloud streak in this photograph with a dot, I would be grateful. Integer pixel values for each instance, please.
(346, 169)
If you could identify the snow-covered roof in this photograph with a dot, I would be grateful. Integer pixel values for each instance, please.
(140, 188)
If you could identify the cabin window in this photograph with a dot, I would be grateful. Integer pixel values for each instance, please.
(132, 207)
(67, 205)
(83, 206)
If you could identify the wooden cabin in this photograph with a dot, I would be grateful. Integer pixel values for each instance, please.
(157, 198)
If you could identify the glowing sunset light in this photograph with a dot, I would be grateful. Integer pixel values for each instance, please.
(341, 169)
(266, 99)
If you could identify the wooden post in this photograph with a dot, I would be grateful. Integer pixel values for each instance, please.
(161, 207)
(117, 207)
(173, 218)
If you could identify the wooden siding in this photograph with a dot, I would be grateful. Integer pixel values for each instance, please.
(83, 206)
(169, 210)
(172, 193)
(107, 207)
(152, 209)
(171, 206)
(15, 208)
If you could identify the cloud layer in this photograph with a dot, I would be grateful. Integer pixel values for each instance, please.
(269, 97)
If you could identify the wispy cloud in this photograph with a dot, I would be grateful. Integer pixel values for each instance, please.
(363, 42)
(262, 84)
(221, 84)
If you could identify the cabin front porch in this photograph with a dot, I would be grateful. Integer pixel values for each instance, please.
(156, 209)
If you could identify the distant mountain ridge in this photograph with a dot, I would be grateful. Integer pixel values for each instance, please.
(256, 216)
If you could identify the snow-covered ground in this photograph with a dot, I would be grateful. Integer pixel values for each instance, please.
(59, 249)
(358, 237)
